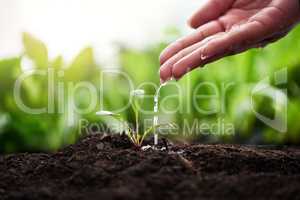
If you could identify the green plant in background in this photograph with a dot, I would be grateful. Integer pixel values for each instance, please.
(20, 131)
(135, 135)
(245, 71)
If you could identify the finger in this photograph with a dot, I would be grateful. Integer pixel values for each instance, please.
(238, 38)
(210, 10)
(261, 44)
(200, 34)
(228, 43)
(270, 40)
(166, 68)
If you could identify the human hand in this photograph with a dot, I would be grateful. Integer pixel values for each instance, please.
(227, 27)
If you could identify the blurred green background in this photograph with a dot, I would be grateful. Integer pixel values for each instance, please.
(20, 131)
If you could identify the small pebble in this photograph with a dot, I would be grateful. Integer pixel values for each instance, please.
(145, 148)
(100, 146)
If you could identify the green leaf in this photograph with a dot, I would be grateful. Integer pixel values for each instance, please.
(35, 50)
(9, 70)
(57, 63)
(82, 67)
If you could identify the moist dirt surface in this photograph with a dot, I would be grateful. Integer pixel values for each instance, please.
(109, 167)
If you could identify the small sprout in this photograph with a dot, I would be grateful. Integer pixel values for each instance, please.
(134, 135)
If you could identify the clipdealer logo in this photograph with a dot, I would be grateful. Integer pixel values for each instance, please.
(279, 100)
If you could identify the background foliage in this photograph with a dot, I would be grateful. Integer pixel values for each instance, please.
(20, 131)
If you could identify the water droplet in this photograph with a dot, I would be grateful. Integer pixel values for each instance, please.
(203, 57)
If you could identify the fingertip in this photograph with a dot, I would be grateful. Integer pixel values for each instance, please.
(165, 54)
(171, 50)
(162, 58)
(165, 73)
(191, 23)
(162, 81)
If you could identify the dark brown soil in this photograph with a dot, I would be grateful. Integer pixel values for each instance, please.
(101, 167)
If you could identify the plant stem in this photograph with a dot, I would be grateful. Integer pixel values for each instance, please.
(137, 121)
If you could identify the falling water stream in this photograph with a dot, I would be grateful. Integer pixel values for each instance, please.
(155, 109)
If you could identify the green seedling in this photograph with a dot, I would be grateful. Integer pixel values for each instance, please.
(135, 135)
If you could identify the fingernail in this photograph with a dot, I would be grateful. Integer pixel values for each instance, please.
(189, 22)
(162, 81)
